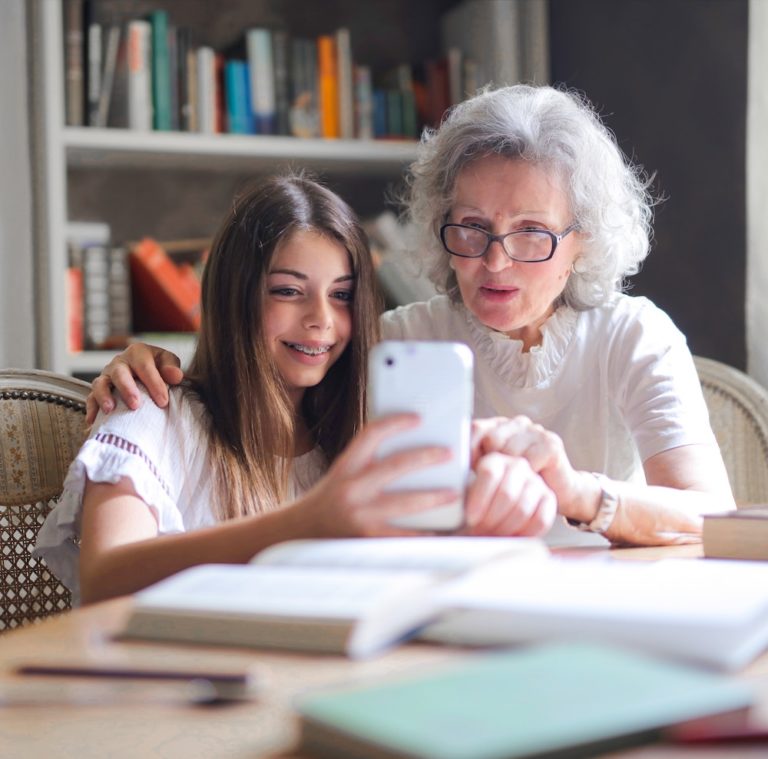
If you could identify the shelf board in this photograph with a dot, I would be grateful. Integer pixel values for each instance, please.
(93, 361)
(89, 362)
(115, 148)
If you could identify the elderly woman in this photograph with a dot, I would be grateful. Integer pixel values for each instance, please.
(531, 218)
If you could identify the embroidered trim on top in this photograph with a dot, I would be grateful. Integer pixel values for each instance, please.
(118, 442)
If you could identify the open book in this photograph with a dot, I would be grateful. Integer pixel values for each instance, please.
(360, 596)
(713, 613)
(355, 596)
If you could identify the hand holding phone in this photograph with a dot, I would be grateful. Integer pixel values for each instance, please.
(433, 380)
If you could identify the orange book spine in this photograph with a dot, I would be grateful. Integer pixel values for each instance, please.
(328, 81)
(75, 308)
(164, 299)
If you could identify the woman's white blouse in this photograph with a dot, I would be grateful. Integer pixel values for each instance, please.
(617, 383)
(164, 452)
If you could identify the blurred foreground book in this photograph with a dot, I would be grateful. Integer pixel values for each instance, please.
(546, 700)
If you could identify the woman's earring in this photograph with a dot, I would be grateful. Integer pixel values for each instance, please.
(576, 268)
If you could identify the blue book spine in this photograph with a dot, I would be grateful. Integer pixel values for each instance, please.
(236, 98)
(380, 124)
(258, 44)
(245, 78)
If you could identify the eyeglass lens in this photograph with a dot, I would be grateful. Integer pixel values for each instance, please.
(523, 246)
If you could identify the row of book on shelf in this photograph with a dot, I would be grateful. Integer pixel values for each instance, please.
(149, 73)
(116, 291)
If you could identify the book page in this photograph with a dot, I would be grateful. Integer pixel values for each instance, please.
(710, 612)
(246, 590)
(444, 554)
(719, 592)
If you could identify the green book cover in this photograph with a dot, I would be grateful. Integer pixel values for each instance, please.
(554, 699)
(161, 71)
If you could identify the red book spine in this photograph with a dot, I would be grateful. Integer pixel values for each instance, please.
(75, 308)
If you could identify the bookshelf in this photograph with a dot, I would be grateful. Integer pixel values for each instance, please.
(66, 154)
(155, 183)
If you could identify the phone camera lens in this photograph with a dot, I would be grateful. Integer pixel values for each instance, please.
(389, 361)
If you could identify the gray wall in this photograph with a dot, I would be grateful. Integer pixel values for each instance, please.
(16, 267)
(670, 78)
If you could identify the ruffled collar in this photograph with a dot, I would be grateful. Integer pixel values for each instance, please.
(537, 367)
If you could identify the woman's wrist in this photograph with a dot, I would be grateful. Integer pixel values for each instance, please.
(587, 496)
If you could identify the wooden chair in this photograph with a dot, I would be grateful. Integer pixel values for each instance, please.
(738, 412)
(42, 426)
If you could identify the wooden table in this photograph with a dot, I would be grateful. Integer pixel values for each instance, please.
(260, 728)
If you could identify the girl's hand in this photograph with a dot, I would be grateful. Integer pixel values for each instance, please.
(154, 367)
(508, 498)
(577, 492)
(351, 501)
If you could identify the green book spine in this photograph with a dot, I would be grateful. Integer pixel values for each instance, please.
(161, 71)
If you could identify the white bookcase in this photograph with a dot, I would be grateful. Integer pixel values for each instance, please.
(78, 168)
(61, 149)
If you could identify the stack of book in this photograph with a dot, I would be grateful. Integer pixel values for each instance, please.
(99, 288)
(115, 291)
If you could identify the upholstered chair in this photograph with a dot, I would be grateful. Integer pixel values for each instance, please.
(738, 412)
(42, 425)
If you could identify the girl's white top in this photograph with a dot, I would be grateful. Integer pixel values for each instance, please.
(164, 452)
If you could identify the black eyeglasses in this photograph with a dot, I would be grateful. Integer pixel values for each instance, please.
(526, 245)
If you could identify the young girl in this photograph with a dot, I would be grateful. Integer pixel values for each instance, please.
(275, 392)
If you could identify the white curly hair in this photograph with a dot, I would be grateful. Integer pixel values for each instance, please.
(560, 130)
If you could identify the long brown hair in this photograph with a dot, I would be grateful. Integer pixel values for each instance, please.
(250, 416)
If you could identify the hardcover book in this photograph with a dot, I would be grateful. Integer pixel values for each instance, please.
(547, 700)
(739, 534)
(139, 42)
(304, 109)
(709, 613)
(205, 67)
(258, 43)
(328, 78)
(237, 89)
(88, 246)
(95, 68)
(161, 71)
(111, 51)
(346, 97)
(281, 47)
(353, 596)
(164, 298)
(361, 596)
(73, 62)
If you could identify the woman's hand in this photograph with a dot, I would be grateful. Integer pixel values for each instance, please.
(351, 500)
(577, 493)
(508, 498)
(154, 367)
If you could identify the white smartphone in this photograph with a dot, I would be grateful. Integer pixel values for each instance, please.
(434, 380)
